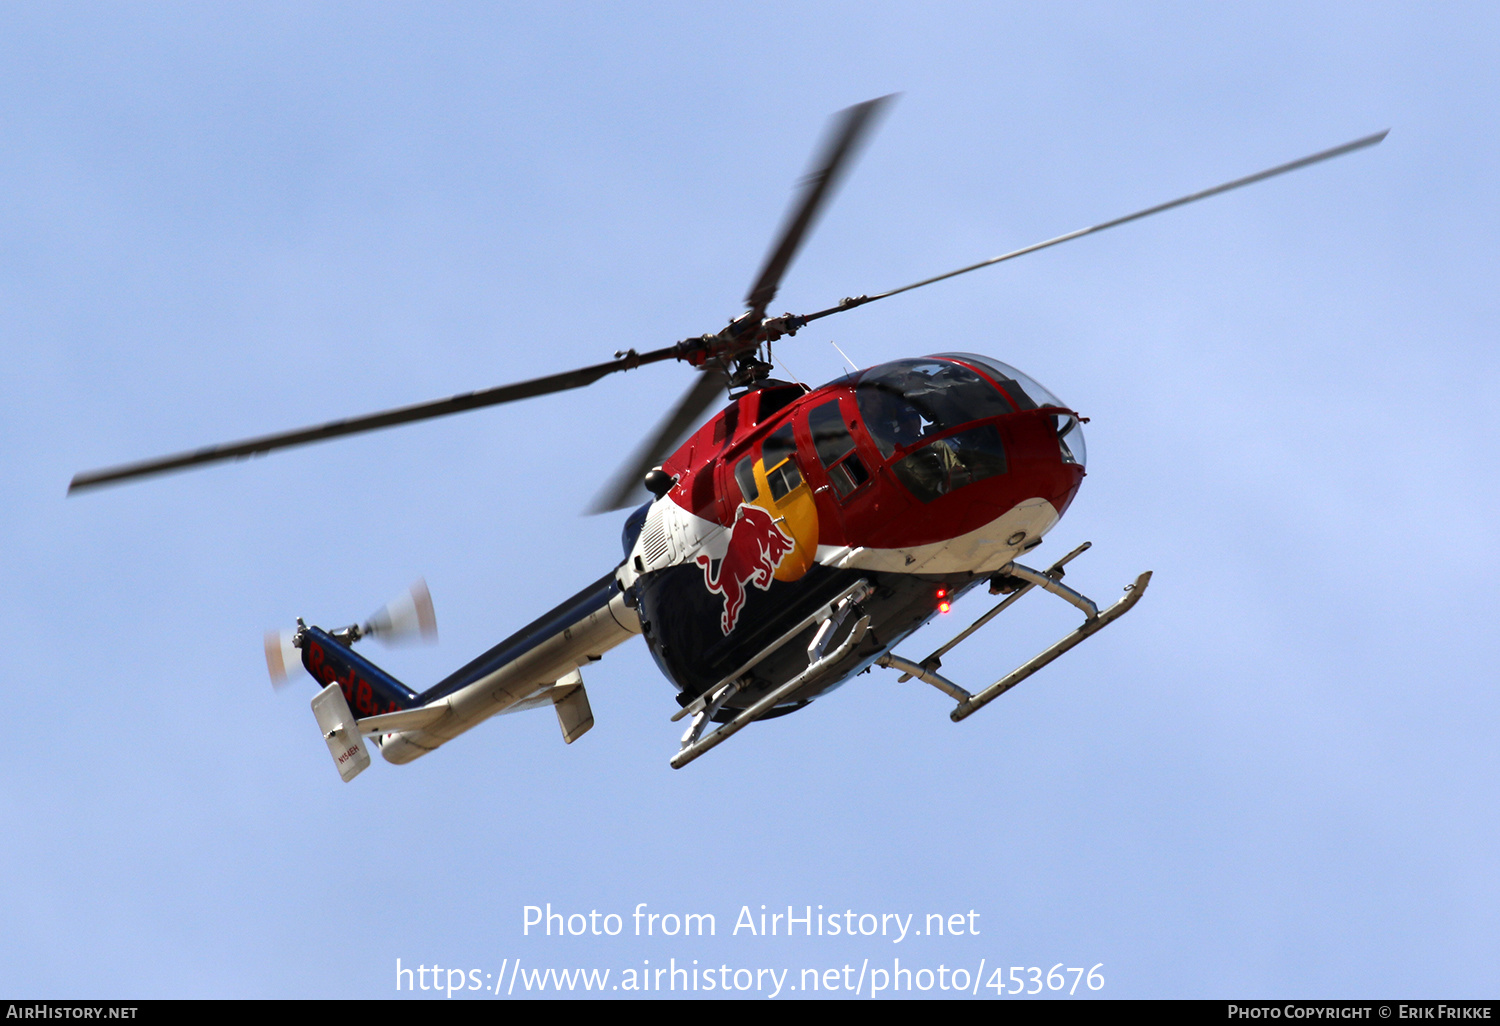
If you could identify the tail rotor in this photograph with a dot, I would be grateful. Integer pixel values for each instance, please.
(409, 616)
(404, 618)
(282, 655)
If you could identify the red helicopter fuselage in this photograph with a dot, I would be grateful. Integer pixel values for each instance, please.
(919, 477)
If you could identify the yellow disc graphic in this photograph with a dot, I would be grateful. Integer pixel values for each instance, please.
(795, 513)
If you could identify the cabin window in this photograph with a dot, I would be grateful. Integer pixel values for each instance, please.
(830, 437)
(776, 451)
(744, 474)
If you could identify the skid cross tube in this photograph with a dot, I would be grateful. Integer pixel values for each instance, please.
(1055, 586)
(910, 669)
(1087, 629)
(707, 712)
(1024, 579)
(935, 660)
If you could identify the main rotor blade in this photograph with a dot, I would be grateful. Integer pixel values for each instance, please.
(371, 422)
(845, 133)
(625, 486)
(1280, 169)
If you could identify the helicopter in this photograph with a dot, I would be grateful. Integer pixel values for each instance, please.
(788, 544)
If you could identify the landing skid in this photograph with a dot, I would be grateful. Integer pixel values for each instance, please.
(1019, 579)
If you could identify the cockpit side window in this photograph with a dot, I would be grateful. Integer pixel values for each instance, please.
(830, 437)
(905, 401)
(951, 462)
(835, 447)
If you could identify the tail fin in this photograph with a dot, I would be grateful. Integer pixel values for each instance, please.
(368, 689)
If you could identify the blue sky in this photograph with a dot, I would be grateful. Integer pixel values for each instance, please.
(1276, 777)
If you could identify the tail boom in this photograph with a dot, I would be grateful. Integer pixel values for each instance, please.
(535, 666)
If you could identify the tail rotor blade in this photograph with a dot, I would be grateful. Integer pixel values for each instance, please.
(281, 656)
(404, 618)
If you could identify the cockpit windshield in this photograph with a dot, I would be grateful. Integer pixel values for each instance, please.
(905, 401)
(1027, 394)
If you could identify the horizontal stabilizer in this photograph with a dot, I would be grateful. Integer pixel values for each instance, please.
(404, 719)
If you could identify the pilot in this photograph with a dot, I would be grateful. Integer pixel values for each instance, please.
(897, 422)
(890, 417)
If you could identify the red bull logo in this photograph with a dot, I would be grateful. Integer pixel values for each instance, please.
(756, 548)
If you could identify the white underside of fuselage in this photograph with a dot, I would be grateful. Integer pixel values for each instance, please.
(980, 551)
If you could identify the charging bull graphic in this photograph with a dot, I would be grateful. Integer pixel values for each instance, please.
(756, 548)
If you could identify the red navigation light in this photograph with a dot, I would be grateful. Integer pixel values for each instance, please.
(942, 600)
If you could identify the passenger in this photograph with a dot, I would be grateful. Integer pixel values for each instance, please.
(890, 418)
